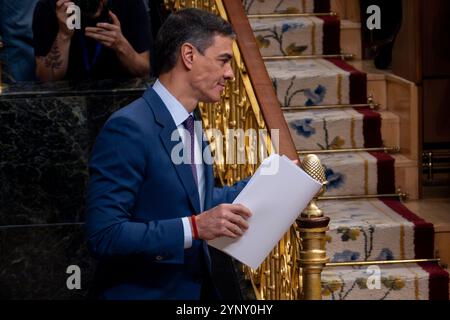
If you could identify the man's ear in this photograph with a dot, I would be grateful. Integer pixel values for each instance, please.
(187, 52)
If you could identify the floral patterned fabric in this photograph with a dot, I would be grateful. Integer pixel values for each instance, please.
(326, 129)
(365, 230)
(289, 36)
(369, 230)
(397, 282)
(350, 173)
(279, 6)
(309, 82)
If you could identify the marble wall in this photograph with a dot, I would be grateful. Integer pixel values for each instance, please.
(47, 132)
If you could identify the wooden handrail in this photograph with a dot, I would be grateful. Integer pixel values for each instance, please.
(256, 69)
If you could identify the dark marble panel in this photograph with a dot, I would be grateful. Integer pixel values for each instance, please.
(44, 149)
(71, 88)
(43, 160)
(34, 261)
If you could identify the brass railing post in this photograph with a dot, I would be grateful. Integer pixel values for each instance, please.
(313, 227)
(313, 257)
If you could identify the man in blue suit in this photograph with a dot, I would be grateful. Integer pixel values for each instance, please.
(148, 215)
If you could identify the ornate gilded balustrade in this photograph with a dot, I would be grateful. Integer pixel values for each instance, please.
(280, 276)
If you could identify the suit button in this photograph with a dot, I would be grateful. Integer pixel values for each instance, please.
(159, 258)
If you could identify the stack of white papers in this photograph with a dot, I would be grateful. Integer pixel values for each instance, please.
(276, 195)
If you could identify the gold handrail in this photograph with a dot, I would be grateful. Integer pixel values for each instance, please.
(370, 104)
(384, 149)
(291, 15)
(343, 56)
(400, 195)
(383, 262)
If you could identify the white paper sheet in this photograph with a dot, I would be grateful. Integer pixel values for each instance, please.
(276, 195)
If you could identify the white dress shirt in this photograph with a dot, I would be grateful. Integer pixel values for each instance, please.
(179, 115)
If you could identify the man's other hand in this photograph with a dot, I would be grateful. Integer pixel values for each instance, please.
(225, 220)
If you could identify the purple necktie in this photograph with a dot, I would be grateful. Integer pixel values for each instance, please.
(189, 125)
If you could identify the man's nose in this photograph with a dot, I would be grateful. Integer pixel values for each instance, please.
(229, 74)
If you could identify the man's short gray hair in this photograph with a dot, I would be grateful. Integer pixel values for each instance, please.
(195, 26)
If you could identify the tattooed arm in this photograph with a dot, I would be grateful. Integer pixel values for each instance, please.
(53, 66)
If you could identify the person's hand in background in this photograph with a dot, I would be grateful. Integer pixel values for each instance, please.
(62, 16)
(108, 34)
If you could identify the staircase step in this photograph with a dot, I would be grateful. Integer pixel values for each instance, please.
(424, 281)
(350, 38)
(436, 211)
(286, 6)
(347, 9)
(407, 175)
(377, 81)
(390, 128)
(297, 36)
(375, 230)
(317, 82)
(342, 129)
(359, 173)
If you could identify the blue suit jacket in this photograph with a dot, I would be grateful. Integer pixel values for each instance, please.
(135, 201)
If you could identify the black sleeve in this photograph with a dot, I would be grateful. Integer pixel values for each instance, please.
(45, 27)
(134, 21)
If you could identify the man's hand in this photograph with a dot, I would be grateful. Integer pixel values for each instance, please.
(110, 35)
(62, 16)
(227, 220)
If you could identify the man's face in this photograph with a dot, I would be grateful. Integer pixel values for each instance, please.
(212, 69)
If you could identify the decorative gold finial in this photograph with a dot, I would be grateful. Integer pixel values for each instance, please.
(313, 167)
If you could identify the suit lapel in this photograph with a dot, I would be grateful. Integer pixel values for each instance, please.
(184, 171)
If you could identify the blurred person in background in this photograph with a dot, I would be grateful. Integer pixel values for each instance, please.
(113, 41)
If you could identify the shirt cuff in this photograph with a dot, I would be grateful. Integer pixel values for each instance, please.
(187, 233)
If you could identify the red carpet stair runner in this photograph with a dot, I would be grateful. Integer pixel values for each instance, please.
(360, 230)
